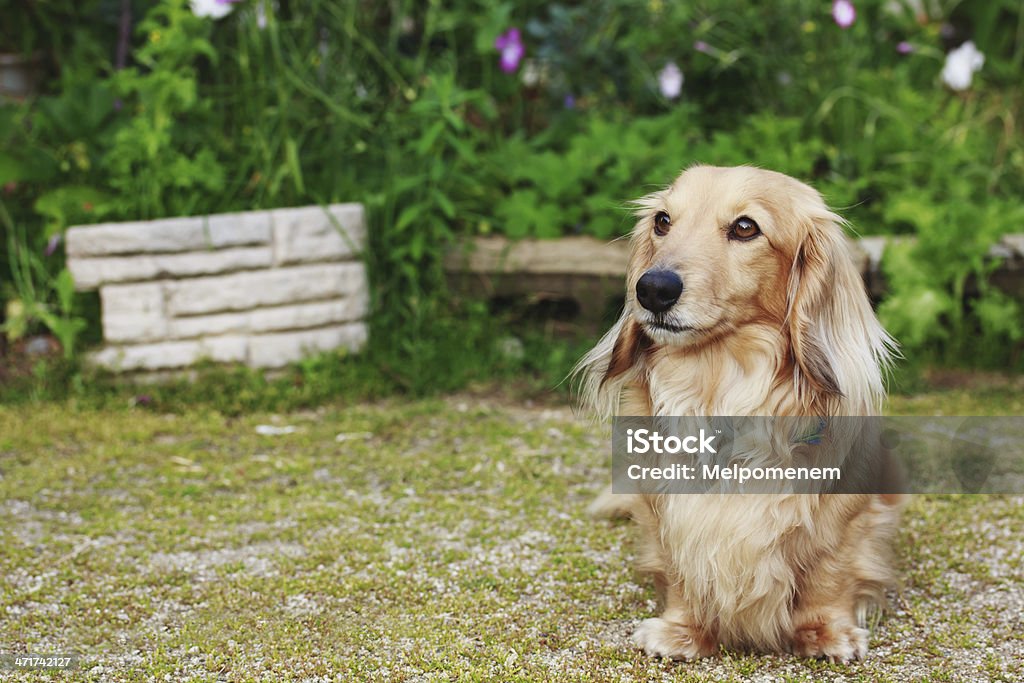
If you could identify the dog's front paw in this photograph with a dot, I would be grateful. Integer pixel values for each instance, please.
(839, 643)
(662, 638)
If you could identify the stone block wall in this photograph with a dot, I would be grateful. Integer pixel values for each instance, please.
(262, 287)
(591, 271)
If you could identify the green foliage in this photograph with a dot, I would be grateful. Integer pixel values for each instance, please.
(33, 290)
(30, 27)
(155, 162)
(546, 189)
(403, 106)
(927, 308)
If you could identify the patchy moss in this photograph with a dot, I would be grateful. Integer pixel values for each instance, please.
(434, 539)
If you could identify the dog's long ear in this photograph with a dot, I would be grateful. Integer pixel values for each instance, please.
(600, 375)
(629, 345)
(839, 349)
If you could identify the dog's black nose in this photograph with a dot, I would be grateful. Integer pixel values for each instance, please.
(657, 290)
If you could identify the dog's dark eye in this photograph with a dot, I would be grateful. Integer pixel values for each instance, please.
(662, 223)
(743, 229)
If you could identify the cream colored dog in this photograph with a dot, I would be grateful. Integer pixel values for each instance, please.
(742, 300)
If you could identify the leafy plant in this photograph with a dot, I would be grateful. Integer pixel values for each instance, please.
(156, 160)
(31, 288)
(405, 107)
(928, 308)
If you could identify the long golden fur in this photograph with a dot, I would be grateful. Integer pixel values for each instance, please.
(777, 324)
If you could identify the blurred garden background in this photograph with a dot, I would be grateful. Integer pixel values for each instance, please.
(528, 119)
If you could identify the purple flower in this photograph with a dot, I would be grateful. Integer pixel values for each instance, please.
(51, 246)
(569, 101)
(844, 13)
(701, 46)
(904, 48)
(511, 47)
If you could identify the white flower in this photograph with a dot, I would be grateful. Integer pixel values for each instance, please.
(960, 66)
(670, 81)
(216, 9)
(265, 10)
(531, 73)
(844, 13)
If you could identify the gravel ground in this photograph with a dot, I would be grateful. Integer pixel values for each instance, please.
(432, 540)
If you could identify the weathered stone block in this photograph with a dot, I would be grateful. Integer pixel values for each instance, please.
(278, 349)
(1015, 243)
(569, 255)
(168, 235)
(289, 317)
(237, 229)
(247, 290)
(259, 287)
(313, 233)
(133, 312)
(171, 355)
(874, 247)
(90, 273)
(165, 235)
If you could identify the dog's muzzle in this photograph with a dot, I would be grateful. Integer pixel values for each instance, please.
(658, 290)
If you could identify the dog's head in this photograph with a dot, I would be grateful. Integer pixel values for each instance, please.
(724, 248)
(715, 250)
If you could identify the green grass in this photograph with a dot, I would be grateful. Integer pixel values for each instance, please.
(462, 348)
(439, 539)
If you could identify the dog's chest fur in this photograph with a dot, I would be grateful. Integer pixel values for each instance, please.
(733, 562)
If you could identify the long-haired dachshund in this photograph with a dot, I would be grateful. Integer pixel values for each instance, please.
(742, 300)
